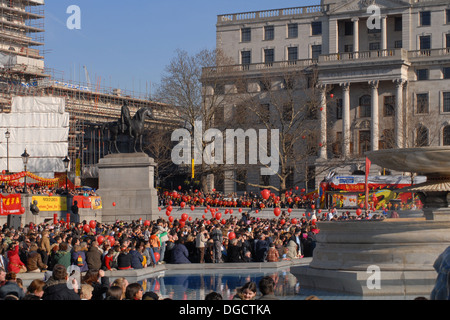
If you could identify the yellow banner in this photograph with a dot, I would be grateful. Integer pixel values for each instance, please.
(50, 203)
(96, 203)
(78, 167)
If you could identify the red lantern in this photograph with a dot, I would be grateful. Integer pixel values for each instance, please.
(111, 240)
(182, 223)
(190, 219)
(240, 210)
(231, 235)
(203, 217)
(289, 210)
(294, 221)
(157, 256)
(179, 187)
(223, 221)
(192, 208)
(218, 215)
(265, 194)
(92, 224)
(331, 96)
(114, 204)
(86, 228)
(171, 218)
(100, 239)
(282, 221)
(168, 213)
(169, 208)
(22, 210)
(184, 217)
(277, 211)
(313, 206)
(182, 204)
(146, 223)
(358, 211)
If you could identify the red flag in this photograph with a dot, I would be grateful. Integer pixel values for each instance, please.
(368, 163)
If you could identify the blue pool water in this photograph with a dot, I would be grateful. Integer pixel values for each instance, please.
(195, 285)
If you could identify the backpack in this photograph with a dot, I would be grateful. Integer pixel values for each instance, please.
(80, 261)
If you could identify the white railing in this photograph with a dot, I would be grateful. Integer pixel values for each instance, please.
(428, 53)
(286, 12)
(363, 55)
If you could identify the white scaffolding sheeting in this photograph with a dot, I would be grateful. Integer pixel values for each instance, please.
(41, 126)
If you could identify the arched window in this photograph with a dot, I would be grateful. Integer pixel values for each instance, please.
(422, 136)
(365, 106)
(446, 136)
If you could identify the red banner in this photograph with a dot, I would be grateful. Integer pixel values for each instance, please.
(10, 204)
(82, 201)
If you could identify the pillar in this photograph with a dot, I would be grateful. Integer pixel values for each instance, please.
(399, 113)
(345, 119)
(323, 122)
(355, 34)
(374, 135)
(333, 37)
(383, 33)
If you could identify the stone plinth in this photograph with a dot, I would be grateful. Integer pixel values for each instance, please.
(127, 180)
(403, 250)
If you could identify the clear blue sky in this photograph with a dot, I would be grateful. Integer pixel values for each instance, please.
(127, 44)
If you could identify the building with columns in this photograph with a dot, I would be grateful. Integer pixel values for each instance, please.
(382, 66)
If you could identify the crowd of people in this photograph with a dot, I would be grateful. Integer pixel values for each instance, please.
(47, 247)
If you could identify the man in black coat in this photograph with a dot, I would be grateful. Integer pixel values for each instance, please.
(57, 287)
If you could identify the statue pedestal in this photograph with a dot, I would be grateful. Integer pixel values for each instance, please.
(127, 180)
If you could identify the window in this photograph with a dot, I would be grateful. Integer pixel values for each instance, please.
(246, 57)
(269, 56)
(446, 72)
(425, 42)
(316, 51)
(373, 30)
(425, 18)
(264, 111)
(348, 48)
(292, 54)
(446, 102)
(348, 28)
(241, 176)
(422, 103)
(422, 137)
(447, 15)
(269, 33)
(292, 30)
(398, 44)
(365, 106)
(398, 24)
(447, 40)
(337, 145)
(338, 109)
(387, 139)
(374, 46)
(446, 136)
(246, 35)
(316, 28)
(389, 106)
(422, 74)
(364, 141)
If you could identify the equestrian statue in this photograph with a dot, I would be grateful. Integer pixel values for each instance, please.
(131, 127)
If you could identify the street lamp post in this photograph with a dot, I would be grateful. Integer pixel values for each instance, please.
(7, 136)
(66, 165)
(25, 157)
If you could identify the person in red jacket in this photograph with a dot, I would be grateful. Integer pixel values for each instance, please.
(15, 264)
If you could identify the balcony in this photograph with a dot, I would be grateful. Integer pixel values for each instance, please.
(374, 55)
(277, 66)
(271, 14)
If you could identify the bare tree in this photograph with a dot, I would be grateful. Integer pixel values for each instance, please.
(197, 96)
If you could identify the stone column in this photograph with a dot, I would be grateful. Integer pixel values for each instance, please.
(323, 121)
(355, 34)
(399, 113)
(345, 119)
(383, 33)
(374, 135)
